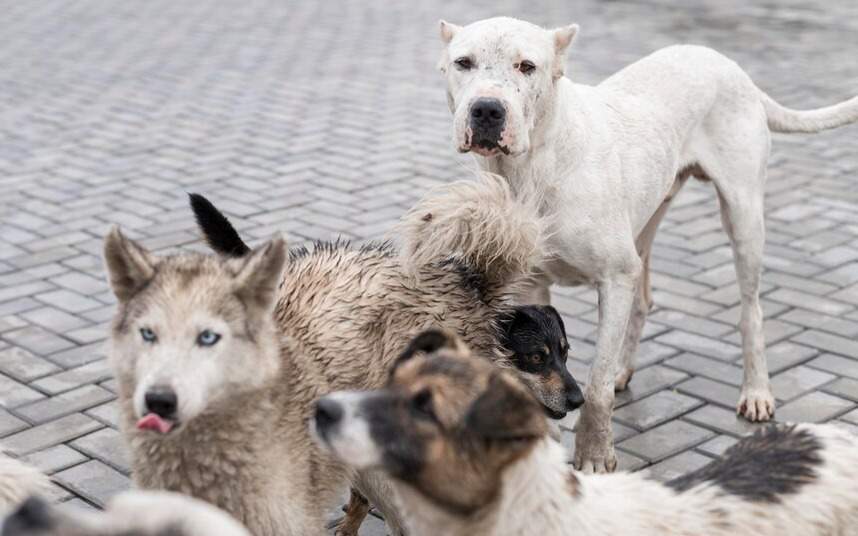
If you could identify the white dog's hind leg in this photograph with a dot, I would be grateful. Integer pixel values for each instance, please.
(594, 448)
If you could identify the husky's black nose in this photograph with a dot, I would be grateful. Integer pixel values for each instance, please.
(487, 119)
(328, 413)
(162, 401)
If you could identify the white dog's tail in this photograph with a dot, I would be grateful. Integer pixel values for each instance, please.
(783, 119)
(17, 482)
(498, 233)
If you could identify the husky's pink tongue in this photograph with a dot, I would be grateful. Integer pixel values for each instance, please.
(150, 421)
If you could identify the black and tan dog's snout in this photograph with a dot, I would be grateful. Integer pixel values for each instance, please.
(487, 120)
(574, 396)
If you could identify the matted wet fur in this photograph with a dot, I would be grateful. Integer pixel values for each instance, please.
(132, 513)
(473, 456)
(234, 431)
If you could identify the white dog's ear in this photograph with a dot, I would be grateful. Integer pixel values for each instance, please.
(129, 265)
(258, 278)
(563, 37)
(448, 31)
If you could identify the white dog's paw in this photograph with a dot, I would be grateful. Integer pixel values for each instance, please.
(594, 449)
(756, 404)
(624, 378)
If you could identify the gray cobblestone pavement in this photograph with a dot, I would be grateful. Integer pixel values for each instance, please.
(328, 118)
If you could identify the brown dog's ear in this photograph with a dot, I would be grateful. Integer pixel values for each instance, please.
(429, 342)
(259, 276)
(506, 411)
(129, 265)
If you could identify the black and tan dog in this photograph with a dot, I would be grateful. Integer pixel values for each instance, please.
(469, 452)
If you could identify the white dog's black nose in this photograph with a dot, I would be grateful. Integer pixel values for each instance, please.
(328, 413)
(487, 114)
(162, 401)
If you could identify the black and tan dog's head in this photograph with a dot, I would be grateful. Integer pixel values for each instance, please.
(536, 339)
(447, 423)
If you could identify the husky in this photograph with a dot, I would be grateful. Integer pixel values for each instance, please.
(612, 157)
(18, 481)
(132, 513)
(468, 450)
(219, 359)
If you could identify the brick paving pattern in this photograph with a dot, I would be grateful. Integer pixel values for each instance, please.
(326, 119)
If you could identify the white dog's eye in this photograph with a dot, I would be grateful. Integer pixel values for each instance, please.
(148, 335)
(464, 63)
(207, 338)
(526, 67)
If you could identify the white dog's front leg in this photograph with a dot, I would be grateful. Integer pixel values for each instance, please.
(594, 448)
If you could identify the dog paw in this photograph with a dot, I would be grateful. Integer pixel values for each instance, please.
(756, 405)
(594, 448)
(624, 378)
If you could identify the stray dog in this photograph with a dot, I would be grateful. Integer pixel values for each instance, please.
(467, 447)
(610, 159)
(18, 481)
(219, 359)
(133, 513)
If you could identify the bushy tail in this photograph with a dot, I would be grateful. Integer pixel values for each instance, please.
(497, 232)
(220, 235)
(19, 481)
(783, 119)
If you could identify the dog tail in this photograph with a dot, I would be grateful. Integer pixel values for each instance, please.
(219, 233)
(498, 233)
(19, 481)
(783, 119)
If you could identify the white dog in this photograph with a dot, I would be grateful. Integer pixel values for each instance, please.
(610, 159)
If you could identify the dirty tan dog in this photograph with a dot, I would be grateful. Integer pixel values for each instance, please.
(610, 158)
(218, 359)
(468, 450)
(133, 513)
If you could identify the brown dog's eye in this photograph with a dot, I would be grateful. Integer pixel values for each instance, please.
(464, 63)
(526, 67)
(422, 404)
(536, 360)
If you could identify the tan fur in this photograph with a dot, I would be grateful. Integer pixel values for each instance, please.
(341, 317)
(18, 481)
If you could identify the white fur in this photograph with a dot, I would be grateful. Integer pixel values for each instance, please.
(536, 500)
(18, 481)
(607, 160)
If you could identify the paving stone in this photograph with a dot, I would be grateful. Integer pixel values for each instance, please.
(48, 434)
(716, 446)
(797, 381)
(53, 459)
(648, 381)
(107, 446)
(23, 365)
(709, 368)
(14, 393)
(813, 407)
(852, 417)
(826, 341)
(9, 424)
(844, 388)
(69, 402)
(666, 440)
(656, 409)
(710, 391)
(835, 364)
(701, 345)
(93, 481)
(678, 465)
(722, 420)
(38, 340)
(71, 378)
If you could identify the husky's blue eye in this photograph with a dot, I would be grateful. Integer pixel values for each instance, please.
(207, 338)
(148, 335)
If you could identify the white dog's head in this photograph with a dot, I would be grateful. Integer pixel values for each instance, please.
(501, 74)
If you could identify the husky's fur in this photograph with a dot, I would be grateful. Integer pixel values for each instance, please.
(133, 513)
(610, 158)
(335, 319)
(474, 458)
(18, 481)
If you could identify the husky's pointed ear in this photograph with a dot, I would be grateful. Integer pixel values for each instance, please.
(448, 30)
(563, 37)
(129, 265)
(506, 411)
(259, 276)
(429, 342)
